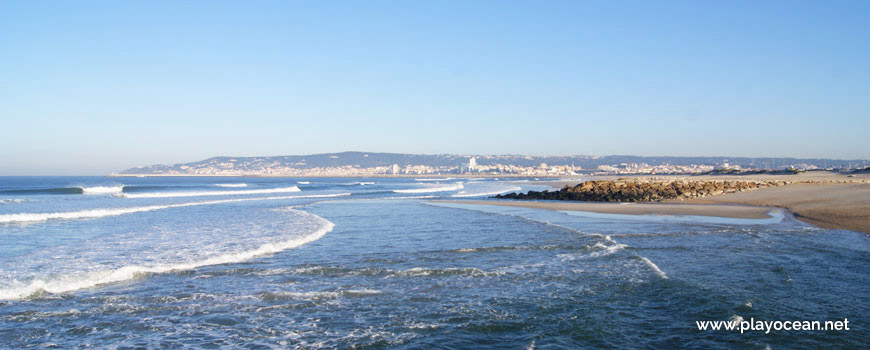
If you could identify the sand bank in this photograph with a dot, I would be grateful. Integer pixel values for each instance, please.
(828, 205)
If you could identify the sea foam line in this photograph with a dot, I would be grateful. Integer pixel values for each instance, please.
(78, 281)
(358, 183)
(461, 194)
(444, 179)
(209, 193)
(232, 185)
(102, 189)
(99, 213)
(431, 189)
(655, 267)
(13, 200)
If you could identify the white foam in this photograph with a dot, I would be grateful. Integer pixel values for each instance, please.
(331, 195)
(12, 200)
(655, 267)
(358, 183)
(420, 271)
(82, 214)
(304, 182)
(601, 250)
(305, 295)
(409, 197)
(453, 187)
(423, 325)
(209, 193)
(72, 282)
(102, 189)
(606, 249)
(444, 179)
(361, 292)
(490, 193)
(99, 213)
(232, 185)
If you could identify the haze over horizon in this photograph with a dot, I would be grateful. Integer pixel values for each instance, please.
(97, 87)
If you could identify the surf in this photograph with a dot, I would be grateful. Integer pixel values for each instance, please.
(107, 212)
(487, 193)
(102, 189)
(88, 279)
(209, 193)
(66, 190)
(453, 187)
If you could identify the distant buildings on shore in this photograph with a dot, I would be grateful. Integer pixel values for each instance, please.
(472, 167)
(353, 163)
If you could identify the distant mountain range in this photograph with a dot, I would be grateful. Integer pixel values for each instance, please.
(371, 160)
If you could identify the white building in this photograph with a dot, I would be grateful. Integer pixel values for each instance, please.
(472, 164)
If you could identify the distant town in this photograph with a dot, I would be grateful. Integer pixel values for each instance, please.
(394, 164)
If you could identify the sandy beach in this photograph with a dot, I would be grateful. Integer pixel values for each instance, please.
(828, 205)
(823, 199)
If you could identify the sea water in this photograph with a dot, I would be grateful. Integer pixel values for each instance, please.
(202, 262)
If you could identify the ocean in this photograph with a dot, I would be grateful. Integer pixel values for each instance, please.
(350, 263)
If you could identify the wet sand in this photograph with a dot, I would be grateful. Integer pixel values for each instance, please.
(828, 205)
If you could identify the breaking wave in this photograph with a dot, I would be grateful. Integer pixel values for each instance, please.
(102, 189)
(490, 193)
(100, 213)
(453, 187)
(209, 193)
(410, 197)
(67, 190)
(81, 280)
(654, 267)
(232, 185)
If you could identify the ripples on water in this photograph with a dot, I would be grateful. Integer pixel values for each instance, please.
(402, 273)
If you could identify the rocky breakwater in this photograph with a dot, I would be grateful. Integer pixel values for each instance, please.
(643, 190)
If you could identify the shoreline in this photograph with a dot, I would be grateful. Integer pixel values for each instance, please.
(844, 206)
(720, 210)
(822, 199)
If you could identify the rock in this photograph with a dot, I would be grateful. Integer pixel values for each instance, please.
(626, 190)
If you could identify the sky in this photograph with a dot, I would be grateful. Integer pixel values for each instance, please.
(91, 87)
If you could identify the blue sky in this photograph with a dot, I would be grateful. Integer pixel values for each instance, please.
(92, 87)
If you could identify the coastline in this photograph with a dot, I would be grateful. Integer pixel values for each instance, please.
(723, 211)
(822, 199)
(828, 205)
